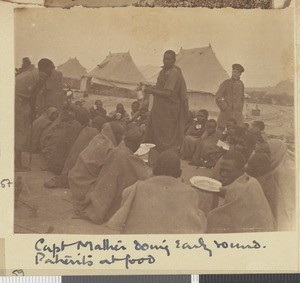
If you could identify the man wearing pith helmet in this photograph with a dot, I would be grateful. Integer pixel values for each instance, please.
(230, 98)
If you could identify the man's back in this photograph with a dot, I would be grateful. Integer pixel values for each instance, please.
(162, 204)
(26, 82)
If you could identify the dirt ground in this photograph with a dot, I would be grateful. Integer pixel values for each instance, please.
(41, 210)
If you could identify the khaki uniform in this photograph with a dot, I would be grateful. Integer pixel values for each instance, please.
(230, 100)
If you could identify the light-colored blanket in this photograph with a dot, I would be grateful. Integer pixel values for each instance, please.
(83, 176)
(159, 205)
(121, 170)
(280, 186)
(245, 209)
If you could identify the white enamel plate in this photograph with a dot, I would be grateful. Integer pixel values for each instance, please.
(206, 183)
(144, 148)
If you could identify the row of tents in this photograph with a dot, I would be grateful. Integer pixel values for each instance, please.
(201, 69)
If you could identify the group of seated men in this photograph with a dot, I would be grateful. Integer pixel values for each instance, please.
(92, 154)
(274, 197)
(204, 143)
(59, 136)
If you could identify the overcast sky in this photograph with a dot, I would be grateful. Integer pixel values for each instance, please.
(261, 40)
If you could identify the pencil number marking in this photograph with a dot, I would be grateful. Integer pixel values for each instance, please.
(18, 272)
(5, 183)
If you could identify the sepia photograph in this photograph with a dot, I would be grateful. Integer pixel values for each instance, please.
(154, 121)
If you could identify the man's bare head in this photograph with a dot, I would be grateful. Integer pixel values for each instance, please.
(169, 59)
(98, 103)
(167, 164)
(118, 130)
(135, 106)
(46, 66)
(211, 126)
(133, 139)
(98, 123)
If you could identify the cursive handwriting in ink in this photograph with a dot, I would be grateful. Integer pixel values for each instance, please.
(144, 247)
(129, 260)
(66, 260)
(226, 245)
(199, 245)
(6, 183)
(106, 245)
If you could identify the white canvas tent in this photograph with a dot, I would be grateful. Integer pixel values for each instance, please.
(150, 72)
(72, 72)
(203, 74)
(116, 70)
(202, 70)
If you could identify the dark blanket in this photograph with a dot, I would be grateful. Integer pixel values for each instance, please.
(169, 114)
(63, 146)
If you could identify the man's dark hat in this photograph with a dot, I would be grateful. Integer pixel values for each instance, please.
(238, 67)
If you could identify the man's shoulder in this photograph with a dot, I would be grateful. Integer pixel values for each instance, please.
(248, 182)
(30, 72)
(175, 70)
(253, 181)
(170, 182)
(240, 82)
(56, 73)
(227, 81)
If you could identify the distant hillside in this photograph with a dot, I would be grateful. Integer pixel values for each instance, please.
(282, 88)
(280, 94)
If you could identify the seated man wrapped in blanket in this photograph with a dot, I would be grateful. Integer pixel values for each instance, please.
(207, 144)
(39, 125)
(83, 176)
(161, 204)
(245, 207)
(57, 139)
(193, 135)
(82, 141)
(120, 170)
(275, 171)
(66, 140)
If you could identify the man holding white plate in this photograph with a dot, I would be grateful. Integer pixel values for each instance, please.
(245, 208)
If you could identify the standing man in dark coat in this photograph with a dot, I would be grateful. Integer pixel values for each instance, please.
(230, 98)
(170, 106)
